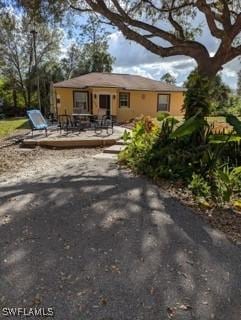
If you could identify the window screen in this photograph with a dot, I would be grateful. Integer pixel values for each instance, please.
(81, 102)
(163, 102)
(124, 99)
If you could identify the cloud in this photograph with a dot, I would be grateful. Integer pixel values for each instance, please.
(158, 69)
(129, 53)
(134, 59)
(229, 72)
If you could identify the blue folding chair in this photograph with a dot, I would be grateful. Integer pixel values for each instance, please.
(37, 121)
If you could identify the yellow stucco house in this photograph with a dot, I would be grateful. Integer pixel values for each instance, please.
(121, 95)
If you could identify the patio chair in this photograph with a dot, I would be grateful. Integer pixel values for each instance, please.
(66, 122)
(106, 123)
(80, 122)
(37, 121)
(52, 118)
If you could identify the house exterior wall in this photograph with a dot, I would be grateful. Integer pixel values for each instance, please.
(141, 102)
(65, 95)
(176, 103)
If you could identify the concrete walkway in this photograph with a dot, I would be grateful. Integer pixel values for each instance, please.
(97, 243)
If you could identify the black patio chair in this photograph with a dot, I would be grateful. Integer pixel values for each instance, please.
(64, 122)
(106, 123)
(52, 118)
(67, 123)
(79, 123)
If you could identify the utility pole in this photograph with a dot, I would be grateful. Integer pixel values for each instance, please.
(34, 33)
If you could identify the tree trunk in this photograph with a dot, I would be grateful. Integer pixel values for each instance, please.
(28, 94)
(24, 97)
(14, 98)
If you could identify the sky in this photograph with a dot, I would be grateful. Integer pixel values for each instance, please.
(132, 58)
(135, 59)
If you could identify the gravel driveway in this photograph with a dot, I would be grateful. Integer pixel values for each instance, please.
(97, 243)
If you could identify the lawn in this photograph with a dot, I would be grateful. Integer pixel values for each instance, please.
(210, 118)
(8, 126)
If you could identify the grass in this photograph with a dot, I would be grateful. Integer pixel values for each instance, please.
(8, 126)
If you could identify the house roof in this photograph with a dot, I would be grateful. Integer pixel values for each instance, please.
(117, 80)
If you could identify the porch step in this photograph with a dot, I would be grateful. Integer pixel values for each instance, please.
(120, 142)
(108, 156)
(115, 149)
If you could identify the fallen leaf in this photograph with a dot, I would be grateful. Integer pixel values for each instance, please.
(185, 307)
(37, 299)
(103, 301)
(115, 269)
(170, 312)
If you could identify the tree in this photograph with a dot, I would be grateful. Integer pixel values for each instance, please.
(9, 95)
(239, 83)
(168, 78)
(95, 49)
(145, 22)
(71, 61)
(49, 72)
(220, 96)
(92, 55)
(96, 60)
(170, 28)
(18, 64)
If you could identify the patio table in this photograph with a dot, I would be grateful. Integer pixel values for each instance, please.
(82, 118)
(82, 115)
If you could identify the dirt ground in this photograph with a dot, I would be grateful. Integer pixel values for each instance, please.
(227, 218)
(13, 158)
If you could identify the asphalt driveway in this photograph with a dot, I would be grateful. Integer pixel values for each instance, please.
(97, 243)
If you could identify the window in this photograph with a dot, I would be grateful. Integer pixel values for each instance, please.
(81, 102)
(124, 99)
(163, 103)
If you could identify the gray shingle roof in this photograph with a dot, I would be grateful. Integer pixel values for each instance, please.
(116, 80)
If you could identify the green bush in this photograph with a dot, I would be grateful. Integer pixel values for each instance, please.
(140, 143)
(198, 97)
(165, 150)
(162, 115)
(199, 186)
(226, 183)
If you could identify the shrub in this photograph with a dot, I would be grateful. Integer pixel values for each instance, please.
(162, 115)
(198, 95)
(165, 150)
(140, 143)
(199, 186)
(226, 183)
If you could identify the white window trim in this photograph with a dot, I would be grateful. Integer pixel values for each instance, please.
(168, 105)
(128, 99)
(87, 96)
